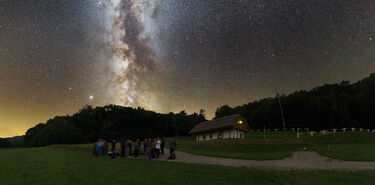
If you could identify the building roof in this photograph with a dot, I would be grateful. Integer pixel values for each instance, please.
(220, 123)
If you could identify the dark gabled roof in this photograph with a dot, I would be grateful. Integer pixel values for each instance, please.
(219, 123)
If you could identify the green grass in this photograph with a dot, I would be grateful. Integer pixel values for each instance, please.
(73, 165)
(357, 146)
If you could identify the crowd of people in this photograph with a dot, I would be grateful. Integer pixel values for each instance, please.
(152, 148)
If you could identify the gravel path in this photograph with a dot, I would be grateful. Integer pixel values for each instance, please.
(303, 160)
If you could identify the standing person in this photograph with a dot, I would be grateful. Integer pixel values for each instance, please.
(145, 143)
(123, 148)
(150, 149)
(145, 149)
(105, 147)
(100, 147)
(153, 148)
(127, 148)
(162, 145)
(96, 149)
(113, 145)
(137, 148)
(118, 147)
(130, 147)
(157, 148)
(172, 149)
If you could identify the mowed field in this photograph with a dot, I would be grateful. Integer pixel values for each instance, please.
(74, 164)
(355, 146)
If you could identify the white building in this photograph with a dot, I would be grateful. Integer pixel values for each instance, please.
(233, 126)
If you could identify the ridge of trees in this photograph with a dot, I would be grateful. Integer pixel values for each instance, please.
(342, 105)
(110, 122)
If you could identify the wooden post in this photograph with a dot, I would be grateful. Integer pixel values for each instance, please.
(281, 109)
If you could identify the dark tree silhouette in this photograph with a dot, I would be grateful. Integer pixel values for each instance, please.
(110, 122)
(326, 107)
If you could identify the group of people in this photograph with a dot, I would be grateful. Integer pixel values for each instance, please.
(152, 148)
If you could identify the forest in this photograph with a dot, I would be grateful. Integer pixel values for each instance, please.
(325, 107)
(110, 122)
(341, 105)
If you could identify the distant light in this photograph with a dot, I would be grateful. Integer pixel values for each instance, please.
(70, 88)
(240, 122)
(91, 97)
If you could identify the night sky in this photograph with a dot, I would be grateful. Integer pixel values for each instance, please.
(172, 55)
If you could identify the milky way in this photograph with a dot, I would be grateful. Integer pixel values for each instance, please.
(133, 59)
(170, 55)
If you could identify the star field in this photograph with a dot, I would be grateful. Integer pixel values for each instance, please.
(168, 55)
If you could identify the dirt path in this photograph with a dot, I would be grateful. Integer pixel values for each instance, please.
(303, 160)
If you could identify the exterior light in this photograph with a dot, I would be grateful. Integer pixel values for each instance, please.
(240, 122)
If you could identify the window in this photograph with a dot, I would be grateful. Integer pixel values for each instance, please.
(204, 137)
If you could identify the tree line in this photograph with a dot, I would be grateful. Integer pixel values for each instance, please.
(4, 143)
(325, 107)
(341, 105)
(110, 122)
(12, 142)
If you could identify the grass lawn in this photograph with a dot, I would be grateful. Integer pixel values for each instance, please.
(71, 165)
(358, 146)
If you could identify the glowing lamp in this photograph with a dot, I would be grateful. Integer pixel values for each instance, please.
(240, 122)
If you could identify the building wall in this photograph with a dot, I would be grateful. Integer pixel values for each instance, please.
(215, 135)
(227, 134)
(230, 134)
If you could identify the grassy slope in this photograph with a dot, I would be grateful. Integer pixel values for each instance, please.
(346, 146)
(62, 165)
(357, 146)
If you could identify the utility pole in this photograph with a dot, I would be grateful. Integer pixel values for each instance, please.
(281, 109)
